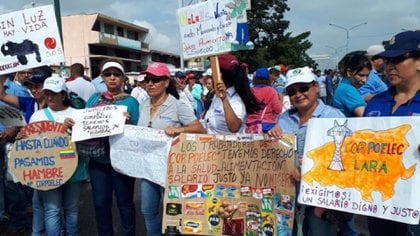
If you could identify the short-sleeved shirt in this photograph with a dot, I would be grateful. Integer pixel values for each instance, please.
(347, 98)
(28, 105)
(173, 112)
(373, 85)
(289, 122)
(215, 121)
(81, 87)
(381, 105)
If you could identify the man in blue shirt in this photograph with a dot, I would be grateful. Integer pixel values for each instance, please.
(374, 84)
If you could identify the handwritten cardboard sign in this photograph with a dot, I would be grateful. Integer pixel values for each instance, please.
(252, 174)
(10, 116)
(45, 159)
(366, 166)
(29, 38)
(139, 148)
(213, 27)
(98, 122)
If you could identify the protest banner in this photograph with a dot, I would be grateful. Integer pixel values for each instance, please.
(214, 27)
(364, 166)
(98, 122)
(138, 148)
(250, 172)
(45, 159)
(29, 38)
(10, 116)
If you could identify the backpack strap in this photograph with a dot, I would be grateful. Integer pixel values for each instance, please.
(263, 113)
(48, 114)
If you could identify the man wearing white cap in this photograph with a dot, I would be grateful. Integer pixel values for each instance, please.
(302, 89)
(139, 92)
(374, 84)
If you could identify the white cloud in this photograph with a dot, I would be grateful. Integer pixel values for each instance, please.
(160, 41)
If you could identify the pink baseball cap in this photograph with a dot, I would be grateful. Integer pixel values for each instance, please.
(157, 69)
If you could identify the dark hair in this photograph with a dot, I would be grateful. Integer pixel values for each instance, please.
(171, 89)
(77, 69)
(66, 101)
(355, 62)
(239, 80)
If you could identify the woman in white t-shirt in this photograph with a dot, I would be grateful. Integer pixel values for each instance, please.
(49, 203)
(232, 101)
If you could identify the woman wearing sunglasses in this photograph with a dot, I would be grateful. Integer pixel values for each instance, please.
(163, 110)
(302, 89)
(402, 58)
(355, 68)
(104, 179)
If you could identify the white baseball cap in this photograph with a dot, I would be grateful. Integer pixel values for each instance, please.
(55, 83)
(110, 64)
(300, 75)
(374, 50)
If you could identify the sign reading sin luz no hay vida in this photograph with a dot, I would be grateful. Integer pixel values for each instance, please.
(45, 159)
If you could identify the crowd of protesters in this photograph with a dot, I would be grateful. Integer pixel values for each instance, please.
(381, 81)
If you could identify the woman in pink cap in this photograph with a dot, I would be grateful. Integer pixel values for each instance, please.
(163, 110)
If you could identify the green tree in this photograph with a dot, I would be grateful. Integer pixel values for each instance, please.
(273, 45)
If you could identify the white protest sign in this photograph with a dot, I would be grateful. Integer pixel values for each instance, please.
(137, 149)
(98, 122)
(29, 38)
(213, 27)
(10, 116)
(365, 166)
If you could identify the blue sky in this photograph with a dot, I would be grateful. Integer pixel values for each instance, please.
(384, 18)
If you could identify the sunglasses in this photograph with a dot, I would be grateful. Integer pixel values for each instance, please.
(302, 89)
(154, 79)
(114, 73)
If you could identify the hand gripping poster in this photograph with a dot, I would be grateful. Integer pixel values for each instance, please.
(206, 172)
(366, 166)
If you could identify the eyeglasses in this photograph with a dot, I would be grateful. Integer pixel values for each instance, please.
(114, 73)
(301, 89)
(154, 79)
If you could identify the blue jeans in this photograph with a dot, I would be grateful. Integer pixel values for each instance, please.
(348, 228)
(38, 214)
(313, 225)
(105, 180)
(66, 197)
(151, 199)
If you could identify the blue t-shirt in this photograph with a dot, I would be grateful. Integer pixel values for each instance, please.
(381, 105)
(28, 105)
(347, 98)
(373, 85)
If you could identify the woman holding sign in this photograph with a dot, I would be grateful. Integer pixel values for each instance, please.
(163, 110)
(104, 179)
(66, 196)
(233, 99)
(402, 58)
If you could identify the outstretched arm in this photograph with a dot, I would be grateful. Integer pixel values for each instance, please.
(7, 98)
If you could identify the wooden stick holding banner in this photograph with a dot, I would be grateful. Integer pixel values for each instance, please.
(215, 71)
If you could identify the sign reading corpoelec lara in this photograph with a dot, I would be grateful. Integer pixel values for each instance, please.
(29, 38)
(45, 159)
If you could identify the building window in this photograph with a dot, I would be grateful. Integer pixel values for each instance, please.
(108, 28)
(97, 26)
(132, 35)
(120, 31)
